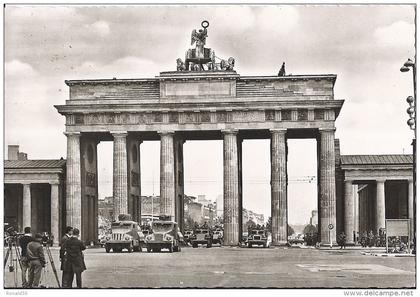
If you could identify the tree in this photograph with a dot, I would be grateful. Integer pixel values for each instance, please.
(290, 230)
(250, 224)
(310, 229)
(268, 225)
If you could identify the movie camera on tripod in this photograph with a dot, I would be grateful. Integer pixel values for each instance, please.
(13, 255)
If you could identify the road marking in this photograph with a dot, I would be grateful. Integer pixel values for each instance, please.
(355, 268)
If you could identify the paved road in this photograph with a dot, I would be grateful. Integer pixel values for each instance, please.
(243, 267)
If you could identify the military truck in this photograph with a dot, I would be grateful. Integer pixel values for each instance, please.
(125, 234)
(164, 235)
(201, 236)
(258, 237)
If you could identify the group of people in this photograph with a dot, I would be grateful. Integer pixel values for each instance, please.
(33, 258)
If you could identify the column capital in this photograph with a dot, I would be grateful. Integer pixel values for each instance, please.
(77, 134)
(119, 133)
(348, 181)
(326, 130)
(230, 131)
(54, 182)
(380, 180)
(26, 183)
(279, 131)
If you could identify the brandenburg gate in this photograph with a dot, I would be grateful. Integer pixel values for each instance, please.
(205, 99)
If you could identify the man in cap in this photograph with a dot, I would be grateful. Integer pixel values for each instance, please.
(36, 259)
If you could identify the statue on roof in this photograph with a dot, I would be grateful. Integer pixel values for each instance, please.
(201, 58)
(199, 38)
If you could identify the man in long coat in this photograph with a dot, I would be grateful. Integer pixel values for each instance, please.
(74, 263)
(65, 278)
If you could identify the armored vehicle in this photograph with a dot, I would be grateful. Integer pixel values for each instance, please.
(165, 235)
(201, 236)
(258, 237)
(124, 235)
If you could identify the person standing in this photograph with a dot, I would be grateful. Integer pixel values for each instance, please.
(36, 259)
(74, 263)
(65, 277)
(24, 240)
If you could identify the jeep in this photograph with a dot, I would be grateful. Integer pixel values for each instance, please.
(124, 235)
(218, 236)
(201, 236)
(258, 237)
(165, 235)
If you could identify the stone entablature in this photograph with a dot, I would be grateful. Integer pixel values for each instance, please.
(214, 85)
(210, 100)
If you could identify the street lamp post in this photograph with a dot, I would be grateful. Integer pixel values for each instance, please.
(412, 122)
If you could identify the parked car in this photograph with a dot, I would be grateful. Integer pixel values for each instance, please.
(165, 235)
(124, 235)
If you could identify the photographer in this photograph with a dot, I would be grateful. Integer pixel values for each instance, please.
(36, 258)
(24, 240)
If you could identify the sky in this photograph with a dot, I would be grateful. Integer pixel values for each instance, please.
(365, 45)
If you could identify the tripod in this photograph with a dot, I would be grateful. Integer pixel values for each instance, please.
(14, 258)
(51, 261)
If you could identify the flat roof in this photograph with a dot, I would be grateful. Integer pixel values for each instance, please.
(18, 164)
(376, 159)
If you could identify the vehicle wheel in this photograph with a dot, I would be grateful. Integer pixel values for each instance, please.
(107, 249)
(130, 249)
(209, 245)
(137, 249)
(149, 250)
(171, 249)
(194, 245)
(178, 248)
(249, 245)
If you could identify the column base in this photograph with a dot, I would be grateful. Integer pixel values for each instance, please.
(328, 244)
(280, 243)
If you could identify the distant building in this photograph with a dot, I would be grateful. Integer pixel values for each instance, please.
(34, 193)
(106, 208)
(150, 208)
(249, 215)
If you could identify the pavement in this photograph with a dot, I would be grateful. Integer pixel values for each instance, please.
(227, 267)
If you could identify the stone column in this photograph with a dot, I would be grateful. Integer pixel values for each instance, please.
(327, 187)
(356, 211)
(230, 188)
(348, 211)
(55, 213)
(411, 207)
(380, 205)
(278, 187)
(73, 185)
(27, 208)
(120, 184)
(167, 174)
